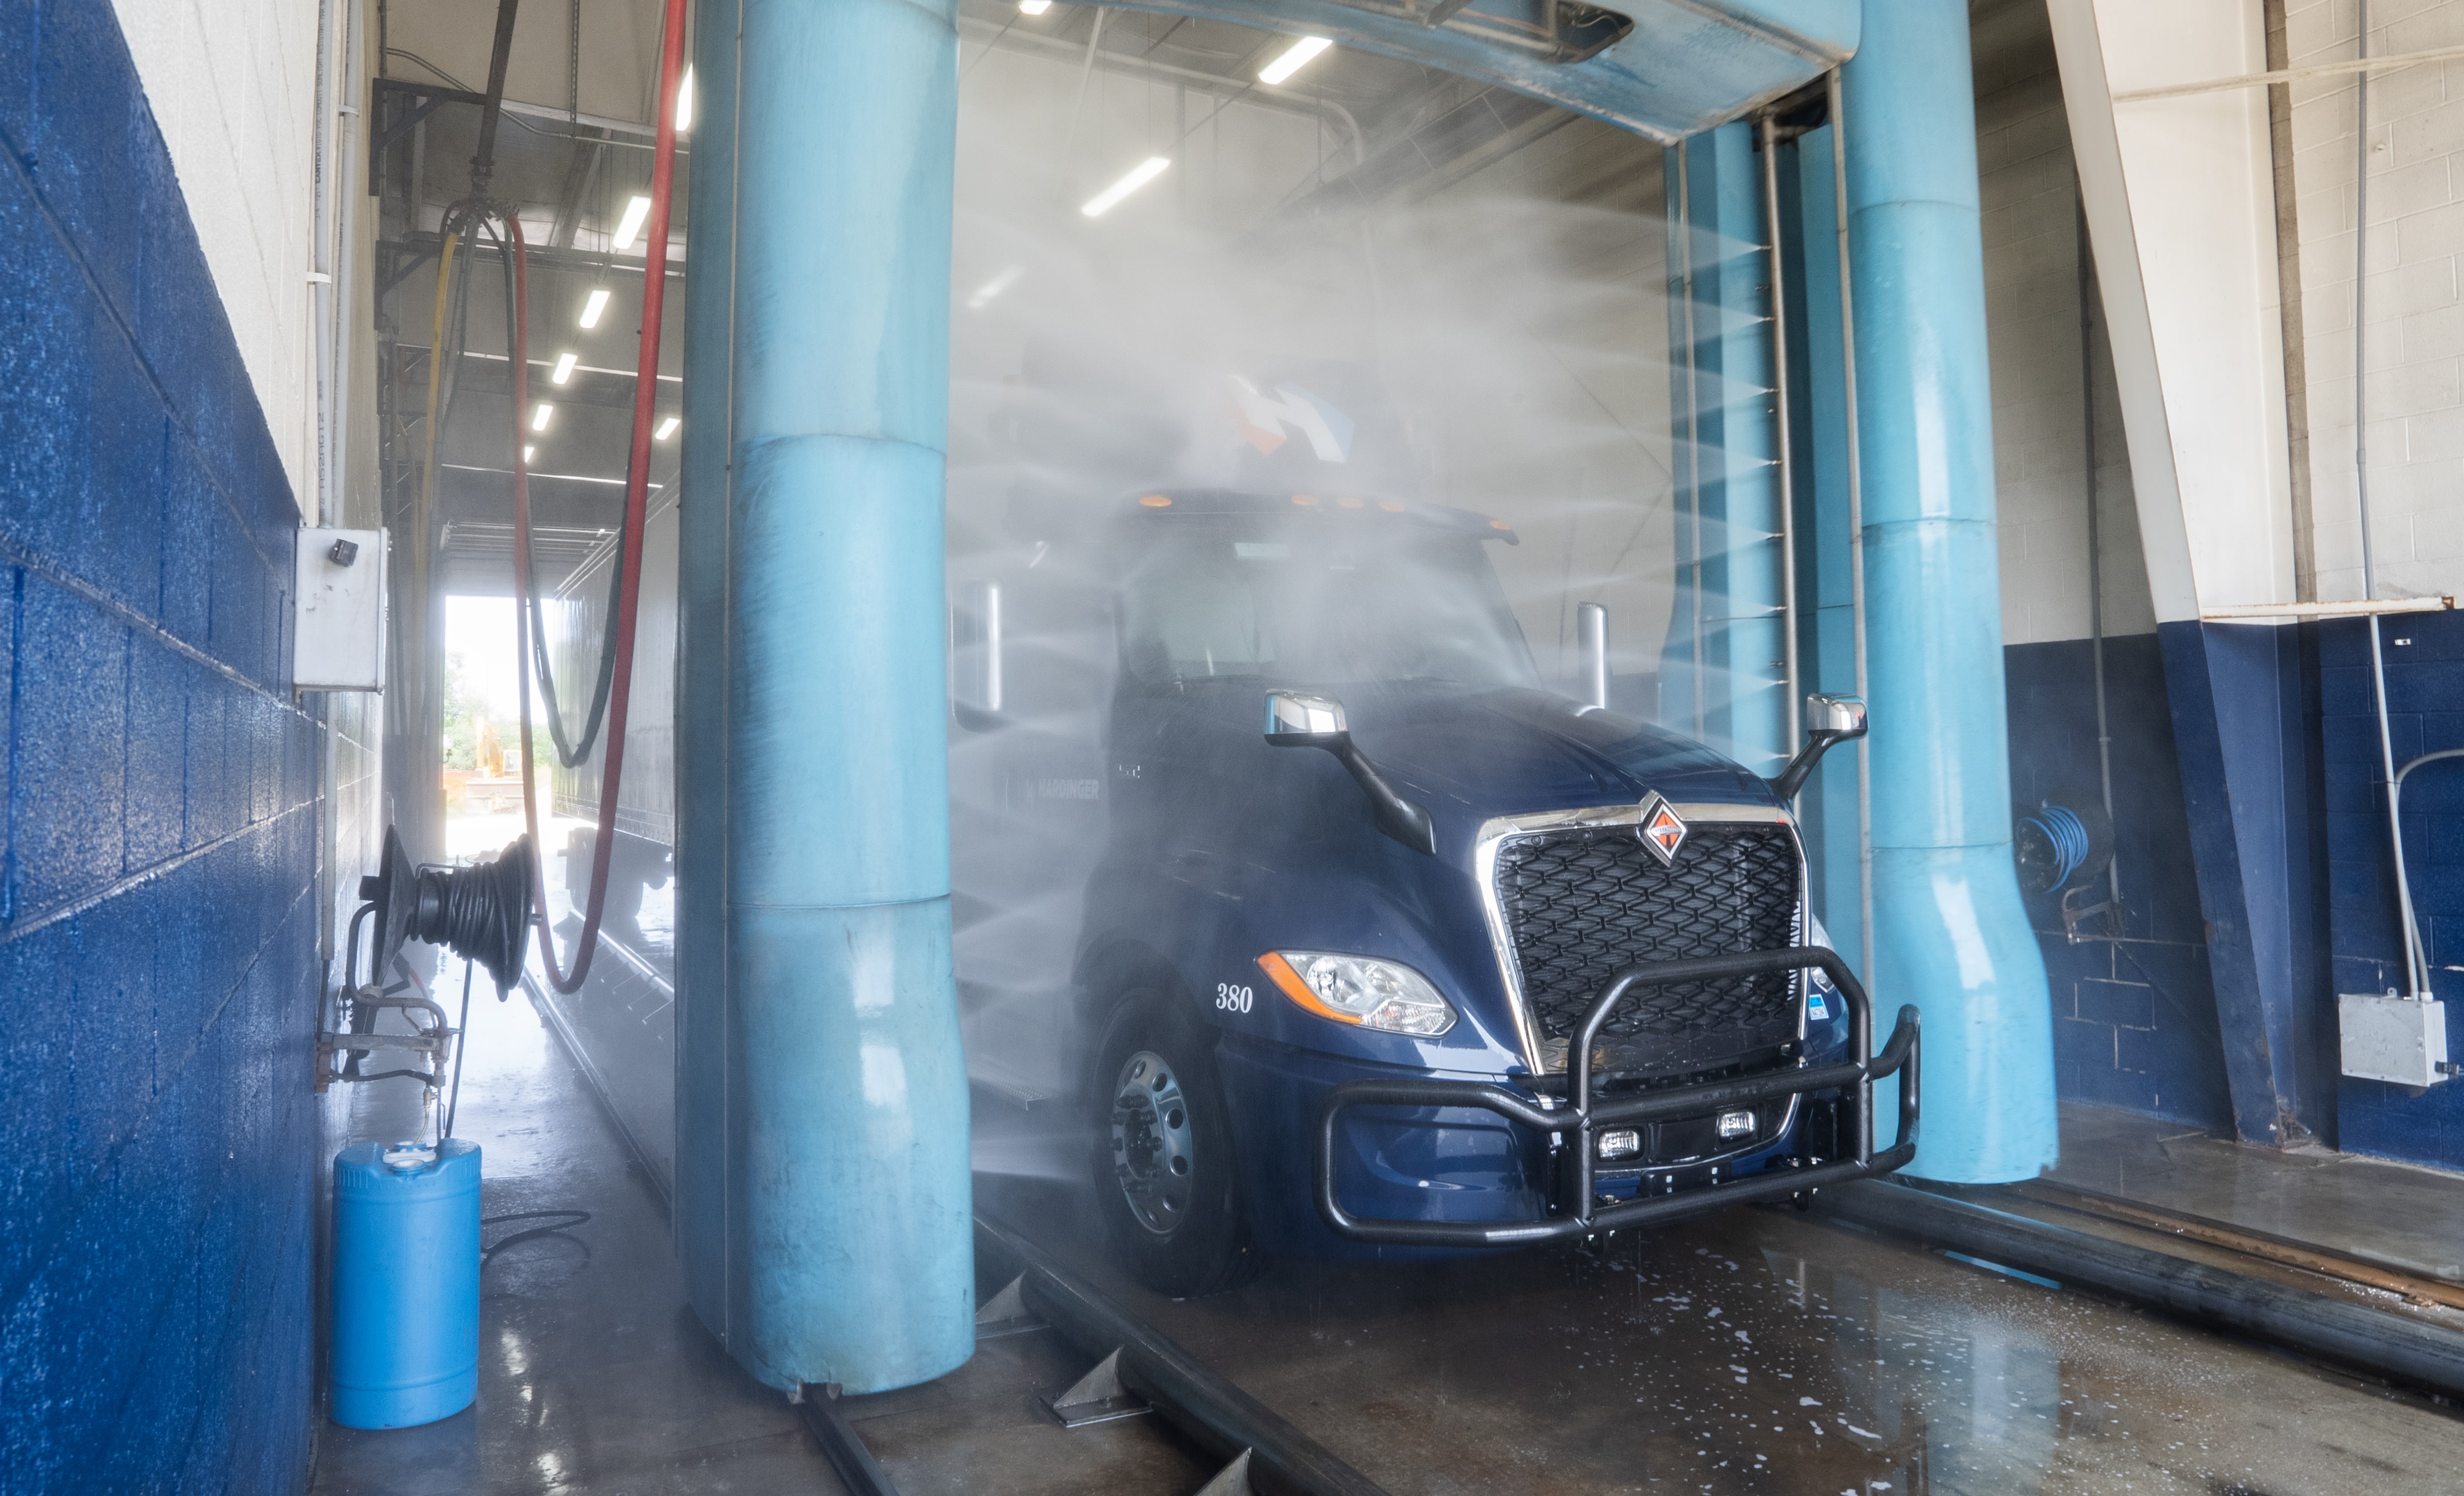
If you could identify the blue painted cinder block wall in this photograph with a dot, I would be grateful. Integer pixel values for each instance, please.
(2135, 1021)
(158, 929)
(2424, 681)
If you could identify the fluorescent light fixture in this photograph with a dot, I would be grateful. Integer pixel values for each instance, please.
(564, 367)
(538, 417)
(1138, 176)
(684, 101)
(1033, 6)
(628, 226)
(995, 287)
(591, 308)
(526, 452)
(667, 428)
(1295, 58)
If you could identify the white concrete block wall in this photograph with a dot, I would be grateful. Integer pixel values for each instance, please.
(232, 85)
(2031, 308)
(2412, 343)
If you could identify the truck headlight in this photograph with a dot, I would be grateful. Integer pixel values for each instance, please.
(1360, 990)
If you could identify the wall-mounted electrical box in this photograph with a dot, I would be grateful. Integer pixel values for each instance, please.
(339, 631)
(2393, 1039)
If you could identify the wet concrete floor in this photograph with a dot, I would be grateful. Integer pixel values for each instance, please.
(1760, 1352)
(1755, 1351)
(595, 1379)
(2401, 1216)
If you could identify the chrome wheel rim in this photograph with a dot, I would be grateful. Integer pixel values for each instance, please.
(1153, 1157)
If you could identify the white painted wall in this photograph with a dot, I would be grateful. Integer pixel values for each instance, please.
(2039, 369)
(2414, 294)
(232, 84)
(2182, 210)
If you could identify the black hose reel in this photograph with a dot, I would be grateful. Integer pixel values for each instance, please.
(480, 913)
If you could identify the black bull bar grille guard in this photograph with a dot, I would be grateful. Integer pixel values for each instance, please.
(1576, 1212)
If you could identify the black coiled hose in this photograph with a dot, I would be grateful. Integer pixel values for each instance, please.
(481, 913)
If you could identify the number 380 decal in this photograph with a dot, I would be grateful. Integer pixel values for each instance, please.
(1230, 998)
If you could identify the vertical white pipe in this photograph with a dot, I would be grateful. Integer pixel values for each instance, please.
(1856, 527)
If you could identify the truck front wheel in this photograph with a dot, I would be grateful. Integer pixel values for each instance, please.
(1163, 1153)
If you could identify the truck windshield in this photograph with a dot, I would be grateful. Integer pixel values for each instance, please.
(1318, 601)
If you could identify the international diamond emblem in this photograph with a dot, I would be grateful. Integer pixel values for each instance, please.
(1662, 831)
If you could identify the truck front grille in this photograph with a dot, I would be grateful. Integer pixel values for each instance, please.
(1581, 905)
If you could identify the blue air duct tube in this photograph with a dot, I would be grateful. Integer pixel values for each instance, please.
(1721, 677)
(822, 1199)
(1948, 930)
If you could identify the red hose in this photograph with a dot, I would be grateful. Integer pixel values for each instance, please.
(637, 478)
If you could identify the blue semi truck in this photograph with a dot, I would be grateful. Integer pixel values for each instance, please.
(1375, 944)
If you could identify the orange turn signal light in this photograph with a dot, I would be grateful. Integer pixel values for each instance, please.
(1280, 972)
(1155, 502)
(1306, 500)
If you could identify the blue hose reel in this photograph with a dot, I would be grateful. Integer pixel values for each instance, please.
(2060, 841)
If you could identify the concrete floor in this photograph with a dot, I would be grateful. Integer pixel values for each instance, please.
(594, 1377)
(1761, 1350)
(2402, 1216)
(1755, 1351)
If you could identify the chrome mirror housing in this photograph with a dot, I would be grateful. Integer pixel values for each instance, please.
(1298, 719)
(1840, 717)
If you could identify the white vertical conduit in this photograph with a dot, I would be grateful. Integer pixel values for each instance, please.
(2416, 977)
(1787, 462)
(1856, 528)
(320, 268)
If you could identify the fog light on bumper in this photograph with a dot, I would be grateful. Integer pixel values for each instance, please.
(1620, 1144)
(1736, 1124)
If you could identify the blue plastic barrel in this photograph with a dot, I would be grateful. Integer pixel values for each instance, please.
(406, 1311)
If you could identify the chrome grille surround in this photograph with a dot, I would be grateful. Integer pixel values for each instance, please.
(1544, 1044)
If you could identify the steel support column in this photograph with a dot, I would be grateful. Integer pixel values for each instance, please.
(1949, 932)
(823, 1203)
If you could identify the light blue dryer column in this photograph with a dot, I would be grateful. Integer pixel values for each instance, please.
(1949, 933)
(822, 1203)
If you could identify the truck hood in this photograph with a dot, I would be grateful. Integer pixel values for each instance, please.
(1476, 754)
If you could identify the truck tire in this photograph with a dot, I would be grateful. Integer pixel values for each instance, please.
(1162, 1159)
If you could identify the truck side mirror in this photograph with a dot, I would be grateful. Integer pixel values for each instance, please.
(976, 657)
(1828, 720)
(1298, 719)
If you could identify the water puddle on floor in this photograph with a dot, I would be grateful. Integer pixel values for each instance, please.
(1759, 1351)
